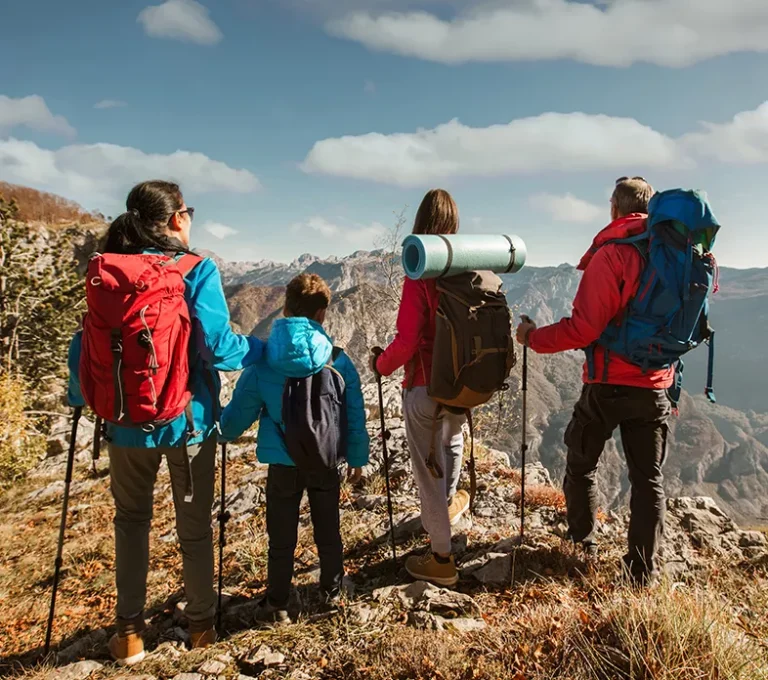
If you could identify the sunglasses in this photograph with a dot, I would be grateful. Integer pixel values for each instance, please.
(189, 211)
(624, 179)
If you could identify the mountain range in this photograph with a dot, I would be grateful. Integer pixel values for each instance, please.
(717, 450)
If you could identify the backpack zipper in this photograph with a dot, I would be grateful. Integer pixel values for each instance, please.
(117, 366)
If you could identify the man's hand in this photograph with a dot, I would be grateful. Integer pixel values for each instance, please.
(524, 329)
(375, 353)
(354, 475)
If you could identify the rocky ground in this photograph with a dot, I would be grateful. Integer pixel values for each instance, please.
(530, 609)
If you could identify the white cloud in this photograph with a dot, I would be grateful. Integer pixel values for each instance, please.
(109, 104)
(369, 87)
(744, 139)
(672, 33)
(98, 175)
(357, 235)
(31, 112)
(220, 231)
(548, 142)
(551, 141)
(567, 208)
(185, 20)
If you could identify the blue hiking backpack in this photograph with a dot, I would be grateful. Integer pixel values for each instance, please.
(669, 315)
(314, 413)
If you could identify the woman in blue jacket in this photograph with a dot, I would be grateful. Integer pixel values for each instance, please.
(158, 221)
(298, 347)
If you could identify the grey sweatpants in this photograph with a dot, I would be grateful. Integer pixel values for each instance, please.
(132, 473)
(419, 412)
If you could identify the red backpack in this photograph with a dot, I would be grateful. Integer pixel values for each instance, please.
(134, 364)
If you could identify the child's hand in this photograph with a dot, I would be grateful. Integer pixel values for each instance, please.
(354, 475)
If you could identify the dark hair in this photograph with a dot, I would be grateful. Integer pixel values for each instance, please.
(437, 214)
(150, 206)
(306, 295)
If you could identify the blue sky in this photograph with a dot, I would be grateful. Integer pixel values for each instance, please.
(302, 126)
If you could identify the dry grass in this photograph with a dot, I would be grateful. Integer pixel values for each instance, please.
(560, 624)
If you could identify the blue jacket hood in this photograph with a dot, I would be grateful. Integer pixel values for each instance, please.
(298, 347)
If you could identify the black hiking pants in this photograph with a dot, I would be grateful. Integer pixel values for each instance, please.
(285, 489)
(641, 415)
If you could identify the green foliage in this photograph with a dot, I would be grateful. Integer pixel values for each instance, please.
(40, 298)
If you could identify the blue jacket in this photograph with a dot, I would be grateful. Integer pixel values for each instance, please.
(214, 347)
(297, 347)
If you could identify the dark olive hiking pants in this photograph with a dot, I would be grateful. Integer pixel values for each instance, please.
(133, 472)
(641, 415)
(285, 489)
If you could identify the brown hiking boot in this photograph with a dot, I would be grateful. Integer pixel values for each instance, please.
(427, 568)
(458, 506)
(202, 634)
(126, 646)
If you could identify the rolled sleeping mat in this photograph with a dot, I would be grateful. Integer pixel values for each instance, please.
(429, 256)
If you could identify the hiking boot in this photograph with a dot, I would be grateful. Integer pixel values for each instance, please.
(430, 567)
(458, 506)
(268, 613)
(127, 646)
(202, 634)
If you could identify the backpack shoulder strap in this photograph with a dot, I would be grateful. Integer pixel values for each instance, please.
(187, 262)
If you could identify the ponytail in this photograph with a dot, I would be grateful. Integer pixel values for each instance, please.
(150, 206)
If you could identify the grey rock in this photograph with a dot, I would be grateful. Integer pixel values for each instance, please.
(537, 475)
(466, 625)
(242, 503)
(370, 502)
(752, 539)
(74, 671)
(426, 621)
(497, 457)
(57, 488)
(133, 677)
(497, 570)
(263, 657)
(82, 647)
(424, 596)
(361, 613)
(188, 676)
(212, 667)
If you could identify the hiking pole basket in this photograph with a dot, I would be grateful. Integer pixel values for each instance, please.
(62, 527)
(385, 453)
(223, 518)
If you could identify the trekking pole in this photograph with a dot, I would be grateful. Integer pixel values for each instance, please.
(223, 517)
(384, 437)
(524, 447)
(96, 450)
(62, 527)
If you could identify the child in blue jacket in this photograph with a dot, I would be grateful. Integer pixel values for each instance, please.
(297, 347)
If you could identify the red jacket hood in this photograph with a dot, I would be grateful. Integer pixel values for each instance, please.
(624, 227)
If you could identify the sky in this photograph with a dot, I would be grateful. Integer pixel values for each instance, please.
(299, 126)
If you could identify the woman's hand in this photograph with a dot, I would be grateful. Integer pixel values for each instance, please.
(354, 475)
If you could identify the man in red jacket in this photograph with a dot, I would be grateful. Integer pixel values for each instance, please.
(616, 393)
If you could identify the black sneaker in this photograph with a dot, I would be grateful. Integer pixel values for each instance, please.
(268, 613)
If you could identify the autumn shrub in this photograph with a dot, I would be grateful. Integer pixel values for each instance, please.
(21, 445)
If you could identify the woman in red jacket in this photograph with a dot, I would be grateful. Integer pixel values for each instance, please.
(441, 504)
